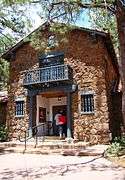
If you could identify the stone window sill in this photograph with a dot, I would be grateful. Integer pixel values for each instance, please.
(19, 116)
(87, 113)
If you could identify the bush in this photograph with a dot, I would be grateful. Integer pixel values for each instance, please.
(117, 148)
(3, 133)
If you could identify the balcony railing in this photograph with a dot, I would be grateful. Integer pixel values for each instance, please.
(48, 74)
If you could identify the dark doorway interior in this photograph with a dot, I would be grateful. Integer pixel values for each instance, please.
(116, 120)
(42, 115)
(55, 110)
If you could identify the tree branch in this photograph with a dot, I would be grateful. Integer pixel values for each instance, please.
(81, 5)
(6, 36)
(94, 4)
(120, 9)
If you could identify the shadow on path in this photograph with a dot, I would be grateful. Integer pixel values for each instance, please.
(61, 170)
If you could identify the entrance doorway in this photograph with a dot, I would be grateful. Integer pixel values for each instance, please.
(42, 119)
(55, 110)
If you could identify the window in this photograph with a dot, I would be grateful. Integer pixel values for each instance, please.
(87, 103)
(51, 59)
(51, 41)
(19, 108)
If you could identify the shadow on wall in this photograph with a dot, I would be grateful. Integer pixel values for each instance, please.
(116, 121)
(3, 112)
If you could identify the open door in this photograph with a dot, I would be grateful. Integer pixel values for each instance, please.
(56, 110)
(42, 115)
(42, 119)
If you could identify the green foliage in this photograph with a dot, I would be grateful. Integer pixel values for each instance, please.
(105, 21)
(14, 24)
(117, 148)
(14, 20)
(41, 41)
(13, 17)
(6, 42)
(11, 2)
(61, 11)
(4, 73)
(3, 133)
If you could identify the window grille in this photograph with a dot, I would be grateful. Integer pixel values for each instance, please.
(87, 103)
(19, 108)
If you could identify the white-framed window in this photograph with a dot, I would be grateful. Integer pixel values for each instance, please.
(87, 103)
(51, 41)
(19, 107)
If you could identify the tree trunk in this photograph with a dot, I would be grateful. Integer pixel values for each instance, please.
(120, 16)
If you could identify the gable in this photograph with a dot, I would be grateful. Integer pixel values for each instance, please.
(92, 40)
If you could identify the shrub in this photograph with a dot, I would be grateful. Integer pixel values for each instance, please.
(117, 147)
(3, 133)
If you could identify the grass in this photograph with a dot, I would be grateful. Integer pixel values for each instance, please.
(118, 160)
(116, 151)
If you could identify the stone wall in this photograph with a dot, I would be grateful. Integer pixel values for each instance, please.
(26, 58)
(85, 53)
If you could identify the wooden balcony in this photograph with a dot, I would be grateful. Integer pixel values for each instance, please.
(48, 74)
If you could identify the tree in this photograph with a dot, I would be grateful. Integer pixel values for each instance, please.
(14, 20)
(105, 21)
(4, 73)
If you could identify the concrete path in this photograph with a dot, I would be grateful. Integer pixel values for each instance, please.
(57, 167)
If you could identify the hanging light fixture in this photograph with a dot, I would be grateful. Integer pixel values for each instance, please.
(59, 98)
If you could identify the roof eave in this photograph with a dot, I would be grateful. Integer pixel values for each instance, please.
(7, 55)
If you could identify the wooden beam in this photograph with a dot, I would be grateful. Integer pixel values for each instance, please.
(30, 114)
(53, 94)
(69, 115)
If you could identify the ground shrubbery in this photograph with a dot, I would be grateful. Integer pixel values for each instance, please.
(3, 133)
(117, 148)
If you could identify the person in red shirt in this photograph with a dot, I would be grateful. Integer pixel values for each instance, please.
(61, 122)
(62, 125)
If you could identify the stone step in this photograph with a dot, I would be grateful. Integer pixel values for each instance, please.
(54, 144)
(88, 151)
(45, 138)
(94, 150)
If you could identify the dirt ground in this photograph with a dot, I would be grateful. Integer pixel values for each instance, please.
(15, 166)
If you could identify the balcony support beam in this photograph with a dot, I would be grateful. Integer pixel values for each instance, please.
(30, 114)
(32, 98)
(69, 115)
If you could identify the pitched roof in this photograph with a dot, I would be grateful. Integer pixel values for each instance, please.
(107, 39)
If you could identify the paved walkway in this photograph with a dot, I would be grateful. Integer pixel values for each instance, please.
(57, 167)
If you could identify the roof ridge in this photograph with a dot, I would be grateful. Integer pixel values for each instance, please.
(25, 39)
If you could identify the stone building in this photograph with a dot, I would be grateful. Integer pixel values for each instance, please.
(79, 76)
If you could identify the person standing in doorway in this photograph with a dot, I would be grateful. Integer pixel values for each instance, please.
(57, 117)
(63, 121)
(60, 123)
